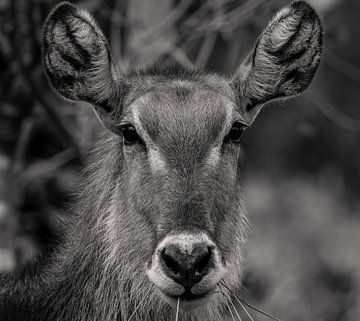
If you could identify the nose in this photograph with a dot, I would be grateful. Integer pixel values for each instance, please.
(186, 267)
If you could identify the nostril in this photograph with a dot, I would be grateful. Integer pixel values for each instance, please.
(203, 257)
(184, 267)
(170, 261)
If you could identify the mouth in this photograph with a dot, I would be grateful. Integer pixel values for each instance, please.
(187, 300)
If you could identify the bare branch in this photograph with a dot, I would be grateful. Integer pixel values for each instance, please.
(165, 25)
(206, 50)
(119, 30)
(49, 107)
(44, 167)
(331, 112)
(22, 143)
(342, 65)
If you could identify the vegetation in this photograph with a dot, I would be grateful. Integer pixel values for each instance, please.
(302, 173)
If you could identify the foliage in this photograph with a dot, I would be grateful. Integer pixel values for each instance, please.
(302, 162)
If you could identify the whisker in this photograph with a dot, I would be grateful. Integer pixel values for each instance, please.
(243, 307)
(141, 301)
(227, 304)
(177, 310)
(233, 305)
(232, 315)
(239, 298)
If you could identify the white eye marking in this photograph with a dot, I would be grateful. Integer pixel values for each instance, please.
(137, 121)
(214, 156)
(156, 161)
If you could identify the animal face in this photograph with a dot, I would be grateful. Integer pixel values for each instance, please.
(185, 158)
(180, 177)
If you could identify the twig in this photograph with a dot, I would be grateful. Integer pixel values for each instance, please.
(331, 112)
(119, 31)
(34, 78)
(156, 31)
(232, 19)
(197, 19)
(243, 12)
(180, 56)
(206, 50)
(44, 167)
(49, 108)
(342, 65)
(21, 145)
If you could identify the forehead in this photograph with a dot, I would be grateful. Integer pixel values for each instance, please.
(182, 111)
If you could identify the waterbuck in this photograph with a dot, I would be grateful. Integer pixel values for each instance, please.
(160, 224)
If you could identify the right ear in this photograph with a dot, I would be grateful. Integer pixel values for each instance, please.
(284, 60)
(78, 63)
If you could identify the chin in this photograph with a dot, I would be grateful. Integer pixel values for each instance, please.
(188, 301)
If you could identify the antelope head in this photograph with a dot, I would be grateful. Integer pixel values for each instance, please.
(177, 216)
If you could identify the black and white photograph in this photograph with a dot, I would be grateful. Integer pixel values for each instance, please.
(179, 160)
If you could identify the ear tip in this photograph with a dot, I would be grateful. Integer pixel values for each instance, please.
(302, 5)
(308, 13)
(62, 10)
(64, 7)
(305, 8)
(59, 13)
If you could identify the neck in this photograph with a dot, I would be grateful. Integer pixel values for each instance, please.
(91, 277)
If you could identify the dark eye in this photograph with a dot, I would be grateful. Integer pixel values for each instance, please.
(130, 135)
(235, 132)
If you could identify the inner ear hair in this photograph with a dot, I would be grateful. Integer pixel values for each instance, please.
(78, 63)
(285, 58)
(76, 56)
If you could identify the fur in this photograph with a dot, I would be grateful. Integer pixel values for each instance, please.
(284, 60)
(128, 203)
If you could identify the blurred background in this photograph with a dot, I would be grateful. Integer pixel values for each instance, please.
(302, 156)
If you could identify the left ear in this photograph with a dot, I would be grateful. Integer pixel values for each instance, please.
(78, 63)
(284, 60)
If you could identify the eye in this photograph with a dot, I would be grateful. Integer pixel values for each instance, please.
(130, 135)
(235, 132)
